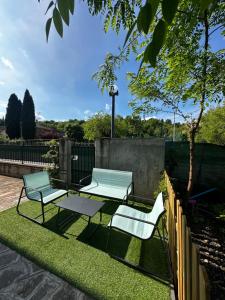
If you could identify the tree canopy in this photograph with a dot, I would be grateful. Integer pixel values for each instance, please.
(28, 123)
(212, 126)
(12, 119)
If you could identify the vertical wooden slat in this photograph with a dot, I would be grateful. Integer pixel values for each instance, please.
(183, 261)
(195, 273)
(190, 278)
(188, 264)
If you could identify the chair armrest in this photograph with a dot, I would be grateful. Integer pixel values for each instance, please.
(83, 180)
(59, 180)
(27, 187)
(132, 218)
(56, 179)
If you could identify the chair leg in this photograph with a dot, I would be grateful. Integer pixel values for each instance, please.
(21, 194)
(108, 240)
(43, 212)
(25, 216)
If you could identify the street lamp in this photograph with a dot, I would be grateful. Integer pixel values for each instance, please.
(113, 91)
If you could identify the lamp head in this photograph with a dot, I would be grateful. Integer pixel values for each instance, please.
(113, 90)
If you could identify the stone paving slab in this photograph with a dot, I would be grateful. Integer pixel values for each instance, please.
(22, 279)
(9, 191)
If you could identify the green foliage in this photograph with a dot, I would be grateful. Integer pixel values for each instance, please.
(2, 121)
(212, 127)
(28, 124)
(53, 155)
(96, 127)
(161, 187)
(74, 131)
(62, 9)
(131, 126)
(12, 119)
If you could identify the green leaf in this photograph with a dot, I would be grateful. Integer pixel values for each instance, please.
(144, 18)
(49, 6)
(47, 27)
(63, 6)
(169, 9)
(159, 34)
(129, 32)
(71, 6)
(58, 21)
(153, 48)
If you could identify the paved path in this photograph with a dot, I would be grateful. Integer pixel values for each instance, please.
(9, 191)
(22, 279)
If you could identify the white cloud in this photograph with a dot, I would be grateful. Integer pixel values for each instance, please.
(107, 107)
(39, 117)
(7, 63)
(24, 52)
(2, 82)
(87, 112)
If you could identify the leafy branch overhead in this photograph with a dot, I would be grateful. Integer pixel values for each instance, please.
(151, 19)
(61, 11)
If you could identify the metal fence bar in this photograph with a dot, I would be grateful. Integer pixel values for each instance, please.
(25, 152)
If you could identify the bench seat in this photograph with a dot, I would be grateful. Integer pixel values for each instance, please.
(110, 184)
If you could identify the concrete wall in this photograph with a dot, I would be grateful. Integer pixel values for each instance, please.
(144, 157)
(17, 170)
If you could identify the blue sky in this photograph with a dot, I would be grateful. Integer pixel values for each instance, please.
(58, 73)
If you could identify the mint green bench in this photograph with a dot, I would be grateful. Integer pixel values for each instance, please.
(37, 187)
(108, 183)
(138, 224)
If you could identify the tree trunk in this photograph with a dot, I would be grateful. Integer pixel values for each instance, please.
(194, 126)
(191, 162)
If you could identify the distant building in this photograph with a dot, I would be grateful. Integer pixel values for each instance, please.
(42, 132)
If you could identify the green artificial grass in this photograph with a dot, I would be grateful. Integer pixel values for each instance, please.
(83, 261)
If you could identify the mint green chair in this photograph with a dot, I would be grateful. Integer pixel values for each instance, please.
(138, 224)
(108, 183)
(38, 188)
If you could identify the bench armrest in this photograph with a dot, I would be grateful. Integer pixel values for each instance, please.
(83, 180)
(132, 218)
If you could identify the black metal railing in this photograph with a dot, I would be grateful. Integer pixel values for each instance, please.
(31, 151)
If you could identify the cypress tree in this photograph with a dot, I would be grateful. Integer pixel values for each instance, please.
(12, 119)
(28, 117)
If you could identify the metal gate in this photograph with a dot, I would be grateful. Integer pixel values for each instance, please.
(82, 161)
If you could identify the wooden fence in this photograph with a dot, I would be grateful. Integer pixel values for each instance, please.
(190, 278)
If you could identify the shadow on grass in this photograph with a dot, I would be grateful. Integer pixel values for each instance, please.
(154, 258)
(60, 223)
(96, 235)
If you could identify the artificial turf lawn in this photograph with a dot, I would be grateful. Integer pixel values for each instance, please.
(83, 261)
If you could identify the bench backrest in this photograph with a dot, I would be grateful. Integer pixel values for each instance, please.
(38, 181)
(112, 177)
(158, 209)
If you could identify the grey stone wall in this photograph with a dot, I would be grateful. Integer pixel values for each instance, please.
(144, 157)
(17, 170)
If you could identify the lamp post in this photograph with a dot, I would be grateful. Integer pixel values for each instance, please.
(113, 91)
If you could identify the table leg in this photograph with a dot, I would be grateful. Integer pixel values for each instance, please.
(100, 215)
(89, 220)
(57, 219)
